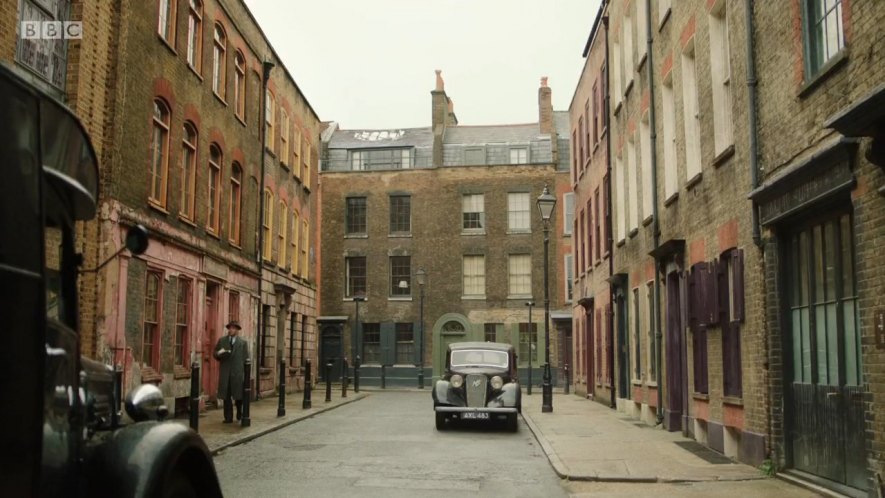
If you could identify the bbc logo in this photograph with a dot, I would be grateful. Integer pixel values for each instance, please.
(52, 30)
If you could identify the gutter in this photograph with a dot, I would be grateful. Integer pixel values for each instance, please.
(608, 220)
(751, 113)
(656, 227)
(266, 68)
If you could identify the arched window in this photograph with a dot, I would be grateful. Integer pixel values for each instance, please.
(166, 20)
(195, 35)
(215, 161)
(240, 85)
(283, 216)
(296, 223)
(150, 339)
(188, 170)
(160, 153)
(219, 61)
(236, 198)
(267, 251)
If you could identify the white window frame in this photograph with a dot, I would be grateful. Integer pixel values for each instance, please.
(519, 217)
(569, 280)
(668, 105)
(568, 212)
(620, 204)
(645, 158)
(473, 280)
(720, 73)
(691, 113)
(629, 62)
(519, 155)
(516, 272)
(473, 203)
(631, 189)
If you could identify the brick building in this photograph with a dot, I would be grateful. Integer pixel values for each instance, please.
(820, 197)
(458, 203)
(591, 230)
(172, 93)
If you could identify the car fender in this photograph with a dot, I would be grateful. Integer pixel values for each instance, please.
(445, 394)
(136, 461)
(511, 395)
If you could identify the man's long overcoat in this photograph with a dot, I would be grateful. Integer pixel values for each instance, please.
(232, 368)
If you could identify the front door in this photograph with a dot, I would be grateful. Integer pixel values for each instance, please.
(674, 347)
(210, 336)
(623, 347)
(331, 352)
(825, 428)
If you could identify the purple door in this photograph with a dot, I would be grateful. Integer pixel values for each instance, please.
(674, 347)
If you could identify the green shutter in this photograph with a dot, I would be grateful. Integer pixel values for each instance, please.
(388, 343)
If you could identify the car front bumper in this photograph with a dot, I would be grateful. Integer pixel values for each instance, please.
(464, 409)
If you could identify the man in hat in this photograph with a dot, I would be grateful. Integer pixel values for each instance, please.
(231, 351)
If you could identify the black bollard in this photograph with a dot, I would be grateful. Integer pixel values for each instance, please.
(356, 374)
(195, 396)
(383, 378)
(306, 404)
(565, 373)
(344, 379)
(247, 392)
(281, 408)
(328, 382)
(118, 396)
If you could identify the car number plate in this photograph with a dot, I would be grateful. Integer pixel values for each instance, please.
(475, 416)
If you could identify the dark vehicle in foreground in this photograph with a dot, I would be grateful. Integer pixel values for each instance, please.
(479, 383)
(61, 429)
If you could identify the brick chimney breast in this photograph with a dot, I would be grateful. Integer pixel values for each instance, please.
(545, 108)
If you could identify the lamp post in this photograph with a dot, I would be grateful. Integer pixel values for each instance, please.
(546, 204)
(355, 333)
(531, 345)
(420, 276)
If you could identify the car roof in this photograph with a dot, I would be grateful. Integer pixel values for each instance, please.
(497, 346)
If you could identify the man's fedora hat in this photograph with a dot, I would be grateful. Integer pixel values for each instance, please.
(233, 323)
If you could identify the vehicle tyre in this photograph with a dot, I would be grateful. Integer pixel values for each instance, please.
(440, 421)
(179, 486)
(512, 422)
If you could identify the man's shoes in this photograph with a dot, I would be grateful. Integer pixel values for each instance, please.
(239, 416)
(227, 421)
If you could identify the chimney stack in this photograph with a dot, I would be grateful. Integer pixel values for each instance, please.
(545, 108)
(442, 115)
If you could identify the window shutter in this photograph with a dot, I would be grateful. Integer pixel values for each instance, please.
(737, 264)
(711, 294)
(733, 380)
(722, 290)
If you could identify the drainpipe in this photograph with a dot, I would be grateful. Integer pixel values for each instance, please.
(266, 67)
(754, 144)
(656, 227)
(608, 221)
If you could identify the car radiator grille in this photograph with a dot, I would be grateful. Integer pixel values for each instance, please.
(477, 386)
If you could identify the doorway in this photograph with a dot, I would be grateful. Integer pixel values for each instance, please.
(330, 349)
(210, 337)
(674, 348)
(825, 417)
(623, 346)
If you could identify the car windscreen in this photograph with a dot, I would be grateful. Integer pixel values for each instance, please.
(479, 358)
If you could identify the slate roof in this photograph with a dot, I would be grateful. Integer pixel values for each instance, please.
(467, 135)
(397, 137)
(561, 123)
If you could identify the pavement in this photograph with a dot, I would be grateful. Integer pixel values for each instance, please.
(582, 439)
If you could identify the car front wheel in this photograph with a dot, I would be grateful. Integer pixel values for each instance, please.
(440, 421)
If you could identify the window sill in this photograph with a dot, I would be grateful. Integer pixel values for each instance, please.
(617, 108)
(664, 19)
(284, 165)
(518, 232)
(212, 233)
(824, 73)
(240, 119)
(519, 296)
(733, 401)
(294, 370)
(701, 396)
(351, 300)
(157, 206)
(270, 151)
(694, 180)
(628, 88)
(621, 242)
(671, 199)
(181, 372)
(632, 233)
(403, 299)
(356, 236)
(235, 244)
(642, 59)
(564, 234)
(637, 382)
(399, 236)
(264, 371)
(473, 233)
(195, 71)
(723, 156)
(473, 298)
(167, 44)
(220, 98)
(653, 384)
(648, 219)
(186, 220)
(595, 145)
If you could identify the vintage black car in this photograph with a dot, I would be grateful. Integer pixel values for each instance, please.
(479, 383)
(62, 432)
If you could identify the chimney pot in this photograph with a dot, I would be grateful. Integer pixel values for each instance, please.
(440, 85)
(543, 82)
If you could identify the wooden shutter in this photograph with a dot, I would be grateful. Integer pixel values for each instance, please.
(737, 265)
(388, 343)
(711, 294)
(721, 266)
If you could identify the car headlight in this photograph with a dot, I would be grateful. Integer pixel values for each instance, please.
(497, 382)
(457, 381)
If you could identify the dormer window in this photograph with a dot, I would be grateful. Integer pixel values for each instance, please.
(378, 159)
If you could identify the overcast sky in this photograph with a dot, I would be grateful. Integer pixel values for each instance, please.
(370, 63)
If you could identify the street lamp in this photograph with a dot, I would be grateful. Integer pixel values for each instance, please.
(355, 332)
(546, 203)
(420, 276)
(531, 345)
